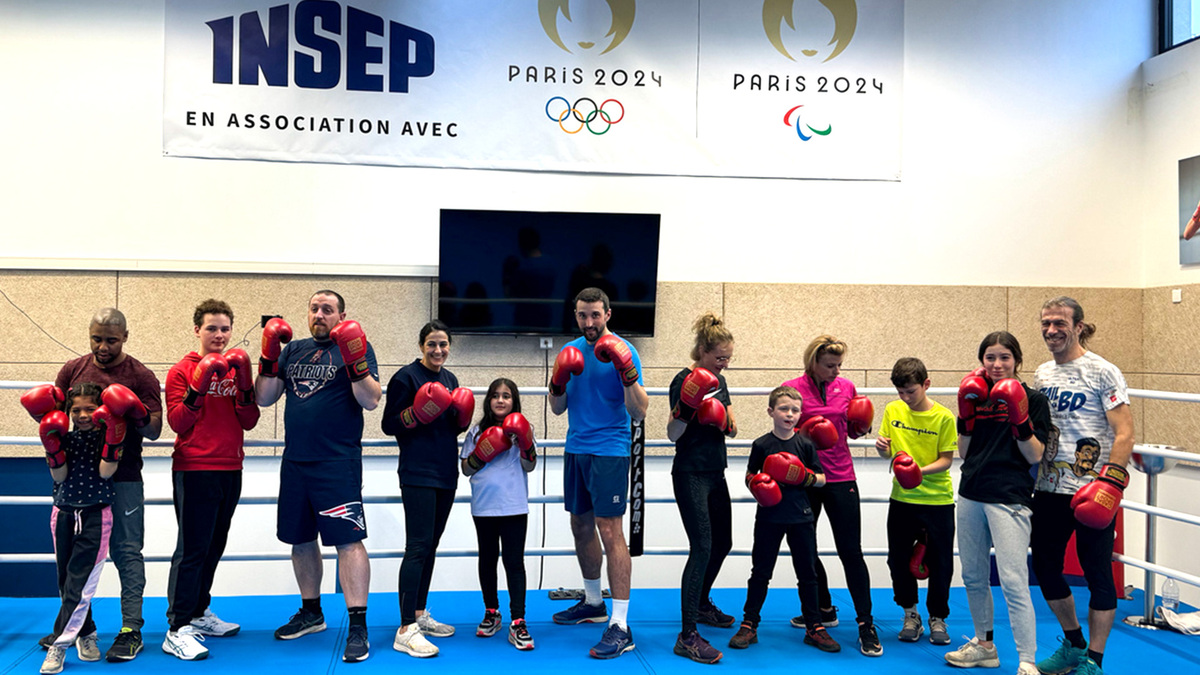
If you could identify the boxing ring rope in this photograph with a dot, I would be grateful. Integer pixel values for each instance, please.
(1150, 459)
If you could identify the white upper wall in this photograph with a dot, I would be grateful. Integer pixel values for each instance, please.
(1023, 164)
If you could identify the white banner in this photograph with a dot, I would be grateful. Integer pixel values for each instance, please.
(771, 88)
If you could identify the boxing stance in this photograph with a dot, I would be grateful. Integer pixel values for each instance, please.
(426, 411)
(1089, 404)
(598, 378)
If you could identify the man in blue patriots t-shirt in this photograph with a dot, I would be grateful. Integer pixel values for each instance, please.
(329, 380)
(602, 399)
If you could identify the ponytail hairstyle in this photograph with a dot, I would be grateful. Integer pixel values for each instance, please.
(1072, 304)
(710, 334)
(820, 346)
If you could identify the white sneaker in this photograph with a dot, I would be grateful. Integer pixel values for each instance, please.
(54, 660)
(211, 624)
(974, 655)
(88, 647)
(1026, 668)
(411, 641)
(185, 644)
(432, 627)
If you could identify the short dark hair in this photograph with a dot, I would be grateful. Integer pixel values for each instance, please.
(211, 306)
(340, 299)
(592, 294)
(1004, 339)
(433, 327)
(908, 371)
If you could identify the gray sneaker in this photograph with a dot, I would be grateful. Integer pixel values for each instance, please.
(54, 660)
(912, 629)
(974, 655)
(432, 627)
(937, 631)
(88, 647)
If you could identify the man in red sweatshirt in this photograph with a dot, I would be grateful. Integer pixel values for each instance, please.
(210, 404)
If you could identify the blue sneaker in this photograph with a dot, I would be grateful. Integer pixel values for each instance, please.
(1089, 667)
(1066, 659)
(616, 641)
(581, 612)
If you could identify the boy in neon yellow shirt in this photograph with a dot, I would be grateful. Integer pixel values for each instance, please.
(920, 437)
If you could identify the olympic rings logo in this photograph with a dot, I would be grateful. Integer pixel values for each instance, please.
(598, 112)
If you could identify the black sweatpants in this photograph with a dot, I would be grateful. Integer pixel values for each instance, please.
(802, 540)
(905, 524)
(204, 506)
(426, 510)
(704, 508)
(494, 535)
(81, 537)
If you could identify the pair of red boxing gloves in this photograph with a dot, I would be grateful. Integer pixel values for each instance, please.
(348, 335)
(212, 368)
(433, 399)
(498, 439)
(693, 404)
(117, 403)
(860, 416)
(608, 349)
(778, 468)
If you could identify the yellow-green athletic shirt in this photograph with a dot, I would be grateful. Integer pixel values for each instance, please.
(924, 436)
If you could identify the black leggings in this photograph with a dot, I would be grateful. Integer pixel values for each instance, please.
(494, 534)
(840, 501)
(802, 540)
(1053, 523)
(426, 511)
(703, 501)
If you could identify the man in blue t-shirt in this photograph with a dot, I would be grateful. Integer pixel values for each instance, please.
(602, 399)
(329, 380)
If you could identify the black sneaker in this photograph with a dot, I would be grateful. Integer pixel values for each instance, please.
(744, 637)
(821, 639)
(868, 640)
(710, 615)
(490, 624)
(696, 648)
(46, 641)
(302, 623)
(357, 647)
(828, 619)
(125, 647)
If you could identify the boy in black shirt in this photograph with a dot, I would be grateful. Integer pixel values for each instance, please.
(782, 464)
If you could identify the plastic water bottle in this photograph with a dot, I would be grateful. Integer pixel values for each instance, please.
(1170, 595)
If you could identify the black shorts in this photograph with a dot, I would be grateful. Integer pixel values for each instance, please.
(321, 497)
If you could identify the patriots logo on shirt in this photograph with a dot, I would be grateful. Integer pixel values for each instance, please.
(311, 375)
(351, 511)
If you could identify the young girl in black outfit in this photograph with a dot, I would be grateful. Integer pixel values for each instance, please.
(426, 411)
(700, 421)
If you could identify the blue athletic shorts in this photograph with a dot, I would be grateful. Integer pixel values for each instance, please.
(320, 497)
(594, 483)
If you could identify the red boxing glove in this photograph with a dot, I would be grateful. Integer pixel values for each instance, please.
(276, 333)
(916, 562)
(698, 384)
(787, 468)
(568, 362)
(1010, 392)
(41, 400)
(53, 429)
(713, 413)
(820, 431)
(1096, 503)
(431, 401)
(239, 363)
(123, 402)
(210, 369)
(114, 433)
(463, 402)
(516, 426)
(491, 443)
(859, 416)
(765, 490)
(908, 473)
(612, 349)
(352, 343)
(973, 391)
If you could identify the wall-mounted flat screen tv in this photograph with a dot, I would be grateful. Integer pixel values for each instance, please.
(517, 272)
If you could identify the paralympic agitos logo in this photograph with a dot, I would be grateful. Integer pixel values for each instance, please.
(244, 42)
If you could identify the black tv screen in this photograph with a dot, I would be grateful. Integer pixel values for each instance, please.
(517, 272)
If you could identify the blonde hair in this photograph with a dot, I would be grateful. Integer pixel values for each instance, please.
(820, 346)
(710, 334)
